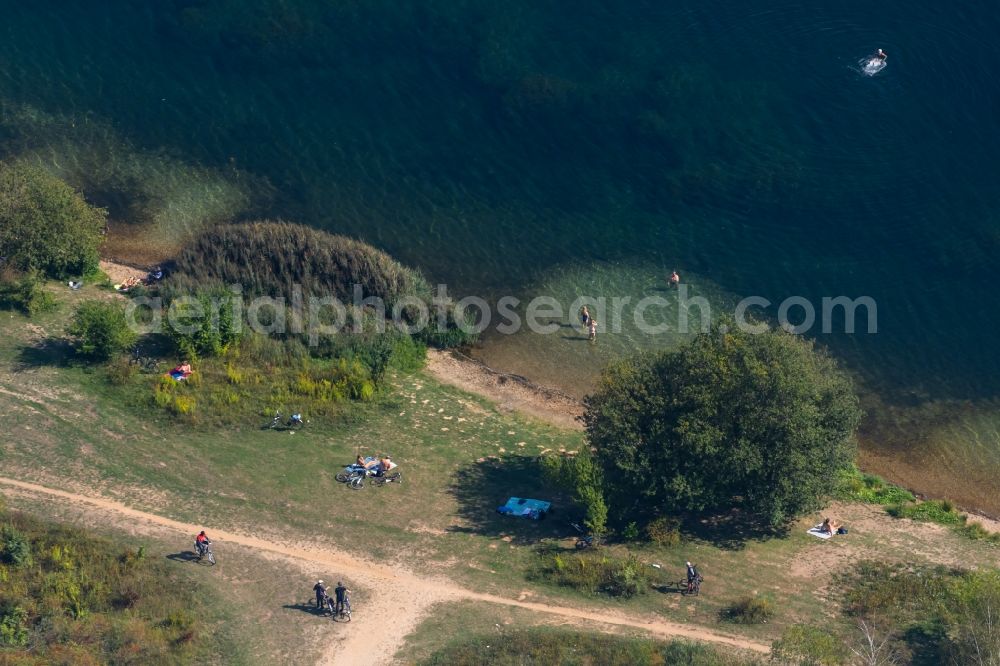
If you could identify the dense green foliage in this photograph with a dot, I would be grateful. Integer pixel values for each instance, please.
(937, 615)
(24, 293)
(268, 258)
(101, 330)
(856, 486)
(274, 259)
(68, 598)
(205, 324)
(45, 225)
(765, 421)
(580, 475)
(556, 647)
(595, 574)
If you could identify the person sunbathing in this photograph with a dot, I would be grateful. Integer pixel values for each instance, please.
(384, 464)
(829, 526)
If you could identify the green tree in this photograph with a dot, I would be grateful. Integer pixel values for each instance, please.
(101, 329)
(581, 475)
(205, 324)
(45, 225)
(764, 421)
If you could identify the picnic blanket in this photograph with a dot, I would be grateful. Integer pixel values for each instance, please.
(528, 508)
(818, 532)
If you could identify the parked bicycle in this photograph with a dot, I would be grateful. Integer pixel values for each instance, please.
(294, 422)
(585, 540)
(144, 363)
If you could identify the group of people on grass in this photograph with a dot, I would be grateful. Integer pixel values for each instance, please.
(152, 277)
(378, 466)
(340, 596)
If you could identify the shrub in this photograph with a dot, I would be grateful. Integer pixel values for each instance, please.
(15, 548)
(664, 531)
(205, 324)
(750, 609)
(594, 574)
(120, 371)
(101, 330)
(24, 293)
(45, 225)
(13, 626)
(853, 485)
(580, 475)
(808, 646)
(934, 511)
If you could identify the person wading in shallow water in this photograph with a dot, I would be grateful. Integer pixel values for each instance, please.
(674, 279)
(584, 316)
(592, 328)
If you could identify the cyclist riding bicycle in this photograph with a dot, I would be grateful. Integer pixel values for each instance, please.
(201, 543)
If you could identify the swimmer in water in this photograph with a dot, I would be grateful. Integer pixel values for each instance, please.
(881, 55)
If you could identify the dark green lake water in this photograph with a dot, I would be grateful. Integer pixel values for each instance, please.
(487, 142)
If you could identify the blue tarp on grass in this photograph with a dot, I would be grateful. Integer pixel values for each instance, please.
(527, 508)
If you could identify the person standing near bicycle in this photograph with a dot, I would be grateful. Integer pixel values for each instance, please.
(320, 591)
(692, 574)
(343, 600)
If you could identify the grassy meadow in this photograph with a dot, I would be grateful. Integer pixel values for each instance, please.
(68, 426)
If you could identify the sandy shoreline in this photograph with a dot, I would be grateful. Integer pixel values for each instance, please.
(510, 392)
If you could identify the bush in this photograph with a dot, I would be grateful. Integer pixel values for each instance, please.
(24, 293)
(808, 646)
(15, 548)
(101, 330)
(594, 574)
(120, 371)
(664, 531)
(205, 324)
(942, 512)
(45, 225)
(13, 626)
(750, 609)
(855, 486)
(580, 475)
(759, 417)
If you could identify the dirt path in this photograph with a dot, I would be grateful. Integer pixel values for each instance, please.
(510, 392)
(389, 615)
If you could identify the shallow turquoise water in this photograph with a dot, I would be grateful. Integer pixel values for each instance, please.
(490, 142)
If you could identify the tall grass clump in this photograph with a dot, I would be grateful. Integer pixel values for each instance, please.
(594, 574)
(268, 258)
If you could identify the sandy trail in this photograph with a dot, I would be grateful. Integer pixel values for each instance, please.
(398, 599)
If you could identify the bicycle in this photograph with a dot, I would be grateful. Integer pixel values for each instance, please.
(585, 541)
(383, 479)
(294, 421)
(144, 363)
(205, 554)
(345, 611)
(690, 587)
